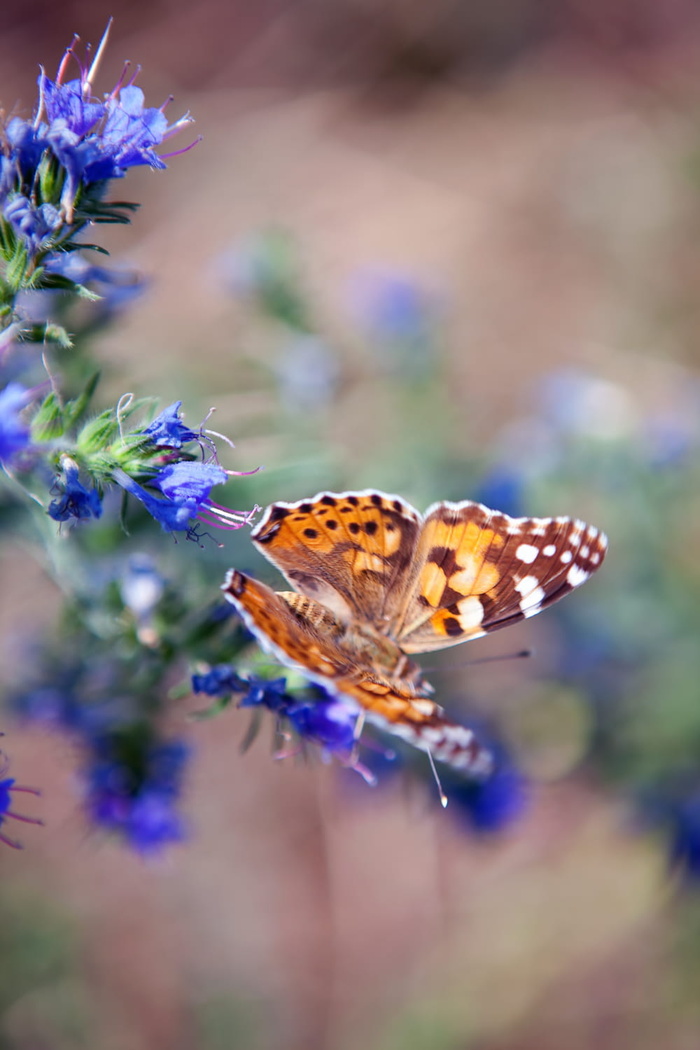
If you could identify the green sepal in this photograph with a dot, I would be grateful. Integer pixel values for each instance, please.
(90, 210)
(47, 333)
(98, 433)
(49, 421)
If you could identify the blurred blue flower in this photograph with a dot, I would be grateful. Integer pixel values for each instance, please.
(395, 306)
(401, 317)
(14, 433)
(168, 430)
(134, 791)
(221, 680)
(685, 835)
(502, 488)
(489, 805)
(580, 404)
(307, 373)
(76, 501)
(115, 287)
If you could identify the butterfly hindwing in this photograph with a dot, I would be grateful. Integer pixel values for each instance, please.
(300, 632)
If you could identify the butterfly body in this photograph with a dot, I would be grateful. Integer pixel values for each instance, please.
(375, 583)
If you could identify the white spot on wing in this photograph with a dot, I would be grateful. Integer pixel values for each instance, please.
(566, 557)
(527, 584)
(549, 550)
(576, 575)
(532, 601)
(527, 553)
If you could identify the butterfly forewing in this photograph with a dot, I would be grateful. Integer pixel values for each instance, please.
(477, 570)
(351, 550)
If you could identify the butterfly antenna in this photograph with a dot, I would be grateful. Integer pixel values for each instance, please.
(443, 796)
(523, 654)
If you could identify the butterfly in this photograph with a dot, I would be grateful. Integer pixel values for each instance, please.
(375, 582)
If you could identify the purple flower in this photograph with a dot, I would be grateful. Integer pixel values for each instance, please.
(14, 433)
(168, 430)
(76, 501)
(7, 788)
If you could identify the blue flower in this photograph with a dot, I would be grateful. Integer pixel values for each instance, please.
(168, 430)
(220, 681)
(70, 104)
(36, 224)
(329, 723)
(7, 787)
(93, 140)
(76, 501)
(322, 720)
(134, 791)
(14, 433)
(185, 486)
(491, 804)
(266, 692)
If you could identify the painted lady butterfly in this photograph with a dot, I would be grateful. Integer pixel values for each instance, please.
(376, 582)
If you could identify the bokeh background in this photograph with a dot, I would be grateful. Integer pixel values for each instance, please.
(450, 250)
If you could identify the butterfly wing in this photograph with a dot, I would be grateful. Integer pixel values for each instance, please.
(477, 570)
(303, 634)
(351, 551)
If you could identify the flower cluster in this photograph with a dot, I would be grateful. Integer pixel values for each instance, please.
(55, 170)
(316, 717)
(174, 487)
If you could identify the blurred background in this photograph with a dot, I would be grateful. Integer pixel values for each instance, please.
(450, 250)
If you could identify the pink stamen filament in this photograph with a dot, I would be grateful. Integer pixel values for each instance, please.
(10, 842)
(67, 55)
(25, 820)
(178, 152)
(120, 83)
